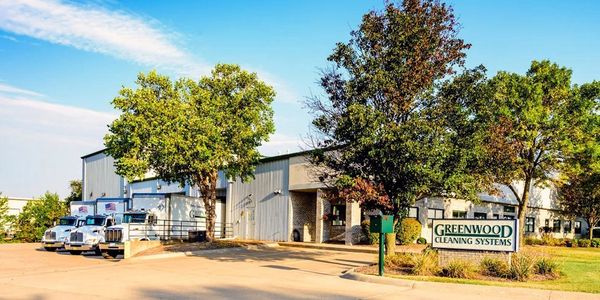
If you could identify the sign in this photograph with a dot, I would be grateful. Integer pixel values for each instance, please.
(483, 235)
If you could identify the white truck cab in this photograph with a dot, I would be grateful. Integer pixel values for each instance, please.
(88, 236)
(56, 237)
(136, 226)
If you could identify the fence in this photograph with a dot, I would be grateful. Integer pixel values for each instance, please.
(171, 230)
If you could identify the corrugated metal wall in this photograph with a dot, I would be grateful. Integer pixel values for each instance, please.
(257, 211)
(100, 177)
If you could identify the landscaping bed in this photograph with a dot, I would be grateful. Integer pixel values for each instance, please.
(556, 268)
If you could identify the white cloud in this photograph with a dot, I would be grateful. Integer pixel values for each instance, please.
(281, 144)
(285, 93)
(41, 142)
(97, 29)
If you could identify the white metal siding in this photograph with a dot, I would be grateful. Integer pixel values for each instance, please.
(269, 209)
(100, 177)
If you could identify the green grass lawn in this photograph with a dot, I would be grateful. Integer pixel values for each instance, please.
(580, 269)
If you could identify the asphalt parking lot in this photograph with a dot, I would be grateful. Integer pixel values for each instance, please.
(280, 273)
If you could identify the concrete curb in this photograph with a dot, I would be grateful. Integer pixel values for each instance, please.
(353, 275)
(202, 252)
(359, 249)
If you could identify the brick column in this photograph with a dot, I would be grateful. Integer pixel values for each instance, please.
(352, 223)
(319, 218)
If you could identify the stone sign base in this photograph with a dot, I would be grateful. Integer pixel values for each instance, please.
(445, 256)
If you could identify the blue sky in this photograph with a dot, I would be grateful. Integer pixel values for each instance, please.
(61, 63)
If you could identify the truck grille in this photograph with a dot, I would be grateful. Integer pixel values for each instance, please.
(76, 237)
(50, 236)
(114, 235)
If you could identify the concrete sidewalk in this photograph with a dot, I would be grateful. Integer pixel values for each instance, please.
(352, 248)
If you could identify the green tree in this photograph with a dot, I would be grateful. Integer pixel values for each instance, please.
(379, 122)
(75, 195)
(526, 125)
(187, 131)
(4, 217)
(39, 215)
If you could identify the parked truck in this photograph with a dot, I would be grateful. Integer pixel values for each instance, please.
(155, 216)
(57, 236)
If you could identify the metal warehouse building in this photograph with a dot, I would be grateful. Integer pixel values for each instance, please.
(284, 203)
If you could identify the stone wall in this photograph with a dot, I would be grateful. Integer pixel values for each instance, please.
(304, 215)
(446, 256)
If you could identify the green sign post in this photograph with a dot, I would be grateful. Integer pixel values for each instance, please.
(382, 224)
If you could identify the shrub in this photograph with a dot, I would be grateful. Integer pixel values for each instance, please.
(421, 241)
(400, 260)
(37, 216)
(568, 242)
(408, 231)
(426, 263)
(575, 243)
(521, 266)
(546, 266)
(533, 241)
(549, 240)
(459, 269)
(371, 238)
(595, 243)
(494, 267)
(584, 243)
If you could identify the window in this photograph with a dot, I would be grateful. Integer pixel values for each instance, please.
(459, 214)
(556, 226)
(577, 227)
(529, 224)
(509, 209)
(567, 226)
(547, 223)
(434, 213)
(413, 212)
(508, 217)
(339, 215)
(496, 216)
(480, 216)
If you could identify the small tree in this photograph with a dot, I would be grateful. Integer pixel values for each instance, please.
(4, 217)
(75, 195)
(39, 215)
(187, 131)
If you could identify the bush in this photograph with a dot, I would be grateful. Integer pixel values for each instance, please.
(584, 243)
(400, 260)
(533, 241)
(494, 267)
(595, 243)
(426, 263)
(37, 216)
(546, 266)
(459, 269)
(575, 243)
(421, 241)
(549, 240)
(521, 266)
(408, 231)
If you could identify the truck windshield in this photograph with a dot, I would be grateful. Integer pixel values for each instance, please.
(66, 221)
(98, 221)
(134, 218)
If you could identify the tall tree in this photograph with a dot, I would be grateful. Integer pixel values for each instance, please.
(75, 195)
(379, 119)
(530, 125)
(580, 194)
(187, 131)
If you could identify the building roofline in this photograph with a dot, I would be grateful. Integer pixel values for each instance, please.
(284, 156)
(94, 153)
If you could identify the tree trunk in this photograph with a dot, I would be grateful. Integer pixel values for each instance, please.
(390, 244)
(591, 228)
(208, 189)
(523, 210)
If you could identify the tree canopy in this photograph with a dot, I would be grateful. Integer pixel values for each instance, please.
(379, 120)
(186, 131)
(75, 194)
(39, 215)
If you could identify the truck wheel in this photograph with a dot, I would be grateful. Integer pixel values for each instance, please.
(97, 251)
(110, 254)
(75, 252)
(50, 249)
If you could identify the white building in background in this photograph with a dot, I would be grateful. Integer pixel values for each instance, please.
(16, 204)
(284, 203)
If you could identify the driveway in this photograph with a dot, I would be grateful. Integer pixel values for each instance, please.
(279, 273)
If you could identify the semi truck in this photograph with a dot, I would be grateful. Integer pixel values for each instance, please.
(155, 216)
(56, 237)
(109, 212)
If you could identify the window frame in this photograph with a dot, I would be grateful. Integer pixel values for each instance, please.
(457, 212)
(340, 217)
(529, 228)
(475, 214)
(567, 229)
(577, 227)
(435, 210)
(556, 224)
(417, 213)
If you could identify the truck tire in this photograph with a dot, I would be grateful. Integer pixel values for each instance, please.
(50, 249)
(75, 252)
(97, 251)
(110, 254)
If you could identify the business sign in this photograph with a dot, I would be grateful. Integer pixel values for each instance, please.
(483, 235)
